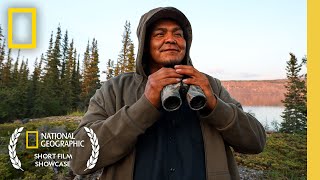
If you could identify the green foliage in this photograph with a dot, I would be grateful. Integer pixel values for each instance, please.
(295, 102)
(284, 157)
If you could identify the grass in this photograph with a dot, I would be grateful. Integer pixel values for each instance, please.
(76, 113)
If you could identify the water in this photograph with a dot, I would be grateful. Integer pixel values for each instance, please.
(266, 114)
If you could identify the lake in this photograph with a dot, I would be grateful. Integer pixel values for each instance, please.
(266, 114)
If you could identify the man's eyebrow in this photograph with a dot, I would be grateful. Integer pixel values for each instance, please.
(165, 29)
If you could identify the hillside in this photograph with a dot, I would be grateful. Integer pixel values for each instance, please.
(257, 93)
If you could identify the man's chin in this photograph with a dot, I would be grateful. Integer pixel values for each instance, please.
(171, 63)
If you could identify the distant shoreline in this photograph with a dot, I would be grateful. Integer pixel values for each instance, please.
(257, 92)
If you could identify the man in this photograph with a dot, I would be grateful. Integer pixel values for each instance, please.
(140, 140)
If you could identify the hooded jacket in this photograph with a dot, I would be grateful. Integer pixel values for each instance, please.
(119, 112)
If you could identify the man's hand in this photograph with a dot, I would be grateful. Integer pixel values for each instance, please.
(157, 81)
(199, 79)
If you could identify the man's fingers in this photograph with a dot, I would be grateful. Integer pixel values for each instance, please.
(167, 73)
(186, 70)
(168, 81)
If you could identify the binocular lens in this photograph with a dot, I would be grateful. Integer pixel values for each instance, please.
(197, 102)
(172, 103)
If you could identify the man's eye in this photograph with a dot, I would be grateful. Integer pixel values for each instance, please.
(178, 35)
(159, 34)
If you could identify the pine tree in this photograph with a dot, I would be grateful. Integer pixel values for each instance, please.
(66, 80)
(1, 36)
(91, 75)
(131, 60)
(123, 58)
(34, 86)
(294, 117)
(94, 69)
(39, 107)
(75, 82)
(64, 53)
(49, 99)
(110, 69)
(2, 51)
(6, 71)
(21, 102)
(15, 73)
(86, 76)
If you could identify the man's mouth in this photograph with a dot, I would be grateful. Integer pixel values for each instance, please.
(168, 50)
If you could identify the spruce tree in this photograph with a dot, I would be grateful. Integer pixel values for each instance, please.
(15, 73)
(66, 80)
(21, 103)
(110, 69)
(294, 115)
(2, 50)
(75, 82)
(50, 95)
(85, 77)
(123, 58)
(34, 86)
(6, 71)
(91, 75)
(64, 53)
(1, 36)
(131, 60)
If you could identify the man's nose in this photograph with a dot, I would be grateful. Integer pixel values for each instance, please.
(170, 39)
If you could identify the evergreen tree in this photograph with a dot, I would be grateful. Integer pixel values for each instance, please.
(15, 73)
(75, 82)
(64, 53)
(94, 69)
(50, 97)
(6, 71)
(39, 108)
(66, 80)
(131, 60)
(34, 86)
(21, 103)
(123, 58)
(117, 69)
(2, 51)
(86, 76)
(91, 75)
(110, 69)
(294, 115)
(1, 36)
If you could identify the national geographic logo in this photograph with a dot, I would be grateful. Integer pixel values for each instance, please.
(53, 140)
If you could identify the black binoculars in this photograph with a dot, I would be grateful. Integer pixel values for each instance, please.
(172, 93)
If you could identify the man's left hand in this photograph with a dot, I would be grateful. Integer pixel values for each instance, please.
(199, 79)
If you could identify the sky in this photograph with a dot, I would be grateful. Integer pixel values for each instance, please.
(232, 39)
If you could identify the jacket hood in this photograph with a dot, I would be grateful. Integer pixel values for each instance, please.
(147, 20)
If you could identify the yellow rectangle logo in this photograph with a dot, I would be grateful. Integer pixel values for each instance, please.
(33, 12)
(27, 139)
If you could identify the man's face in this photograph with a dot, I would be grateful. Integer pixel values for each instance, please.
(167, 44)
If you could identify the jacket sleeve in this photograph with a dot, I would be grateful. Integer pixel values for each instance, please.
(239, 129)
(116, 133)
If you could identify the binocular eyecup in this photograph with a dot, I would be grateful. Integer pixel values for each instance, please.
(171, 96)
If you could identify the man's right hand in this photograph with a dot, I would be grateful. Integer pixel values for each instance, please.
(157, 81)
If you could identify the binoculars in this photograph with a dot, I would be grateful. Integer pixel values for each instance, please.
(172, 93)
